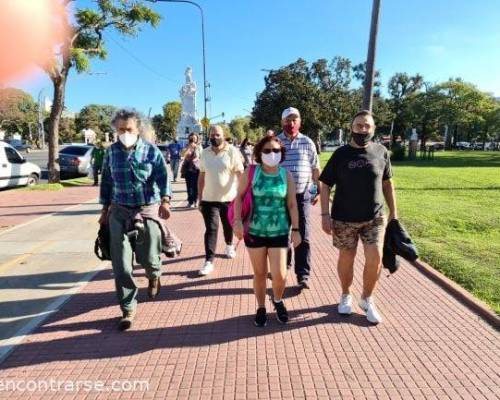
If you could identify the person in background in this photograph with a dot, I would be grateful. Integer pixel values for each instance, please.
(246, 152)
(191, 168)
(303, 163)
(274, 210)
(220, 167)
(96, 161)
(174, 152)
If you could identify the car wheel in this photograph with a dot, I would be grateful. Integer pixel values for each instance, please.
(32, 180)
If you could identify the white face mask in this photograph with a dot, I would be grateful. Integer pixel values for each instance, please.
(271, 159)
(128, 139)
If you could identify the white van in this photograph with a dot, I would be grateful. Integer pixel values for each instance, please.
(15, 170)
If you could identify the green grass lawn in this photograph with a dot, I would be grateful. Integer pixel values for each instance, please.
(55, 187)
(451, 208)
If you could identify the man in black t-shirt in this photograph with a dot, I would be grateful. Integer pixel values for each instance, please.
(361, 173)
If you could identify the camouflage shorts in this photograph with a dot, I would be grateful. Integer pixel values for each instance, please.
(345, 235)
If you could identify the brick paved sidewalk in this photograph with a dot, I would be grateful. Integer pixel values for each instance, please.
(17, 207)
(197, 340)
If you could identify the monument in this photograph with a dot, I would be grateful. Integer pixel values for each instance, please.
(189, 120)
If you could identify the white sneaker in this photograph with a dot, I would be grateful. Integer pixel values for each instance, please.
(372, 313)
(345, 304)
(207, 268)
(230, 251)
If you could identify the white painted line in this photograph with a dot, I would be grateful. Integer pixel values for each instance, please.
(8, 345)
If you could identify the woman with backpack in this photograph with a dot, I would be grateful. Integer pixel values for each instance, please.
(191, 168)
(266, 230)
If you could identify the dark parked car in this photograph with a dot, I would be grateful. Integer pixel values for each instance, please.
(19, 145)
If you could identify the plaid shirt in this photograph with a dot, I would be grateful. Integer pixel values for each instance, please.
(134, 178)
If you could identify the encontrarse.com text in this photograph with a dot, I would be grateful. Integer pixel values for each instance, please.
(55, 385)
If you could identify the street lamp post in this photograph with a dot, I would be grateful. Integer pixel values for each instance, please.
(370, 62)
(205, 99)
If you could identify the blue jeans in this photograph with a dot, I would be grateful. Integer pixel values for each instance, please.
(174, 164)
(303, 251)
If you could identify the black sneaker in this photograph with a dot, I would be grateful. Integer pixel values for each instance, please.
(281, 312)
(304, 283)
(261, 317)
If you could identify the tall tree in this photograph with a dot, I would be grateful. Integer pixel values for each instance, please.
(96, 117)
(402, 89)
(86, 42)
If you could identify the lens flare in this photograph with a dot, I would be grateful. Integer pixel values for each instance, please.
(30, 33)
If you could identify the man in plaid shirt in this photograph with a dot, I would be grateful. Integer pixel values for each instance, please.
(134, 186)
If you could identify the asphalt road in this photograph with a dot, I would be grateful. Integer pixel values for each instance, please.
(40, 158)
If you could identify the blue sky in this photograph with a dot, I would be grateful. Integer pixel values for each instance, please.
(436, 38)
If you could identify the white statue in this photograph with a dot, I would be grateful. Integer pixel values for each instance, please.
(189, 120)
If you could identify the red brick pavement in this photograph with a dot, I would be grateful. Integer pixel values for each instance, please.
(17, 207)
(197, 340)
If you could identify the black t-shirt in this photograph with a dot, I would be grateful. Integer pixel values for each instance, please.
(357, 175)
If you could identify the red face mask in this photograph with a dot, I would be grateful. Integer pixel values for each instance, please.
(291, 130)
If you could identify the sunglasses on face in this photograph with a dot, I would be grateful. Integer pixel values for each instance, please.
(268, 151)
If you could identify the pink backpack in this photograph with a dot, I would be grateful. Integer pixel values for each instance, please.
(246, 204)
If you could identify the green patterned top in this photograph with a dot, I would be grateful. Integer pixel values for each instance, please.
(270, 213)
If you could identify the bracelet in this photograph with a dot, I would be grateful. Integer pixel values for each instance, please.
(295, 229)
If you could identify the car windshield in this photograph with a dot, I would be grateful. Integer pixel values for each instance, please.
(75, 150)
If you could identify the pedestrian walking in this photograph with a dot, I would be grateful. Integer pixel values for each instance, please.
(190, 169)
(267, 234)
(97, 157)
(303, 163)
(174, 152)
(135, 194)
(361, 173)
(220, 167)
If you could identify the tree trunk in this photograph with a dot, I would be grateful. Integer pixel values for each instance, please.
(54, 121)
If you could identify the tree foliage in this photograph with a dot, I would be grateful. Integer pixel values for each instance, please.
(18, 111)
(86, 42)
(96, 117)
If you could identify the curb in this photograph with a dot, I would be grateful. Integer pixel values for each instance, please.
(459, 293)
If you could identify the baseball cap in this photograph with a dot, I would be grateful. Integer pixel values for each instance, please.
(289, 111)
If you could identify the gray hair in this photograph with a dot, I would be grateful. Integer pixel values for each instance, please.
(125, 114)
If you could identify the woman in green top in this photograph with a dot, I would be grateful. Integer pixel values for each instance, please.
(274, 210)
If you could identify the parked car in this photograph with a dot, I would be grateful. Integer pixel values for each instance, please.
(15, 170)
(19, 145)
(75, 159)
(463, 146)
(477, 146)
(491, 146)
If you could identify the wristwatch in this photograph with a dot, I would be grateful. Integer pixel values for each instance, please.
(295, 229)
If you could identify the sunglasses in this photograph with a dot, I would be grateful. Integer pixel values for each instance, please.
(268, 151)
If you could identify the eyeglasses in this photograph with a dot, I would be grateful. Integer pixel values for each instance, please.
(268, 151)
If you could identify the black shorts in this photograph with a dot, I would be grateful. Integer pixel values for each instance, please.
(254, 242)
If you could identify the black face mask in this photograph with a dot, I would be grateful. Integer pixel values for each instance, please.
(361, 139)
(215, 142)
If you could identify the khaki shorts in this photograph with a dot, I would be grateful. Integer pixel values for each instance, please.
(345, 235)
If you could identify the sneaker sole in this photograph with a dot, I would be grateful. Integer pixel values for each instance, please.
(260, 326)
(280, 321)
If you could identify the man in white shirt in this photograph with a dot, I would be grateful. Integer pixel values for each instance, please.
(220, 167)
